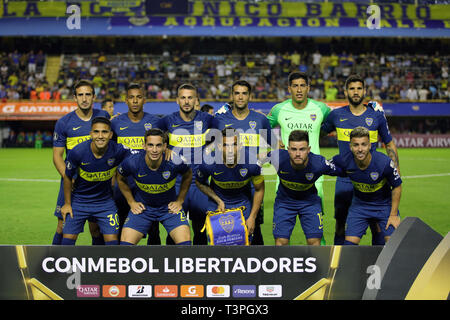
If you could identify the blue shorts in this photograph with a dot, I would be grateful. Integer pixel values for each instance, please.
(142, 222)
(195, 203)
(285, 214)
(104, 215)
(343, 196)
(359, 218)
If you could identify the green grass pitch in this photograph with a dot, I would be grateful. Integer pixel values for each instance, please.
(29, 185)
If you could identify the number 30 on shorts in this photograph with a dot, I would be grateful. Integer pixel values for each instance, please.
(114, 220)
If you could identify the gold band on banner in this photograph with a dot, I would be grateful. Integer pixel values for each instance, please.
(35, 289)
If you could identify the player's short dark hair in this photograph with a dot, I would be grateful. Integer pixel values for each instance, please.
(101, 120)
(298, 135)
(298, 75)
(354, 78)
(106, 100)
(83, 83)
(242, 83)
(134, 85)
(360, 132)
(187, 86)
(156, 132)
(206, 107)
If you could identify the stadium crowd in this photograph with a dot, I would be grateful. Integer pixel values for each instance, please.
(400, 76)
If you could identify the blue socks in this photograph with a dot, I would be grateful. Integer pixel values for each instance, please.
(378, 239)
(68, 242)
(98, 241)
(339, 240)
(349, 243)
(124, 243)
(112, 243)
(57, 238)
(185, 243)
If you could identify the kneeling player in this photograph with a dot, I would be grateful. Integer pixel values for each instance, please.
(230, 180)
(155, 197)
(377, 188)
(298, 170)
(94, 163)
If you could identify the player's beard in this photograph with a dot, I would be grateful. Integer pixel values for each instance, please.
(355, 103)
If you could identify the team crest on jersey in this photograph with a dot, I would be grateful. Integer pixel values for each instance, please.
(313, 116)
(309, 176)
(111, 162)
(374, 175)
(243, 172)
(166, 174)
(198, 125)
(227, 223)
(252, 124)
(369, 121)
(147, 126)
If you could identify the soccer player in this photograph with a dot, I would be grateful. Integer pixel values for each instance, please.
(70, 130)
(230, 180)
(300, 113)
(298, 169)
(108, 106)
(130, 128)
(343, 120)
(89, 171)
(376, 184)
(254, 133)
(187, 130)
(155, 198)
(207, 108)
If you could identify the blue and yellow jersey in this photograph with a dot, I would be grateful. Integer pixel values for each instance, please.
(344, 121)
(255, 130)
(373, 185)
(131, 134)
(230, 184)
(70, 130)
(188, 138)
(299, 184)
(93, 176)
(153, 188)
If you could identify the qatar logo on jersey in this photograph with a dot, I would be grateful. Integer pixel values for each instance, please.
(374, 175)
(147, 126)
(369, 121)
(313, 116)
(243, 172)
(252, 124)
(166, 174)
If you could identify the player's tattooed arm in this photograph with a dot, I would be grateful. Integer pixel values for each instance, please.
(391, 150)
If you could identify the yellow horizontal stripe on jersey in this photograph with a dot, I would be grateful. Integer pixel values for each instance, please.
(368, 188)
(97, 176)
(156, 188)
(249, 139)
(258, 179)
(72, 142)
(231, 184)
(187, 141)
(132, 142)
(343, 134)
(296, 186)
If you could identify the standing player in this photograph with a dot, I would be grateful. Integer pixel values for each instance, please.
(254, 132)
(92, 165)
(343, 120)
(300, 113)
(230, 180)
(130, 128)
(108, 106)
(155, 198)
(187, 130)
(70, 130)
(298, 169)
(377, 188)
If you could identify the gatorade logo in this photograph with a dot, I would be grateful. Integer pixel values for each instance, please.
(192, 291)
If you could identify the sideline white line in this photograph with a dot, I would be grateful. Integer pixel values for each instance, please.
(403, 177)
